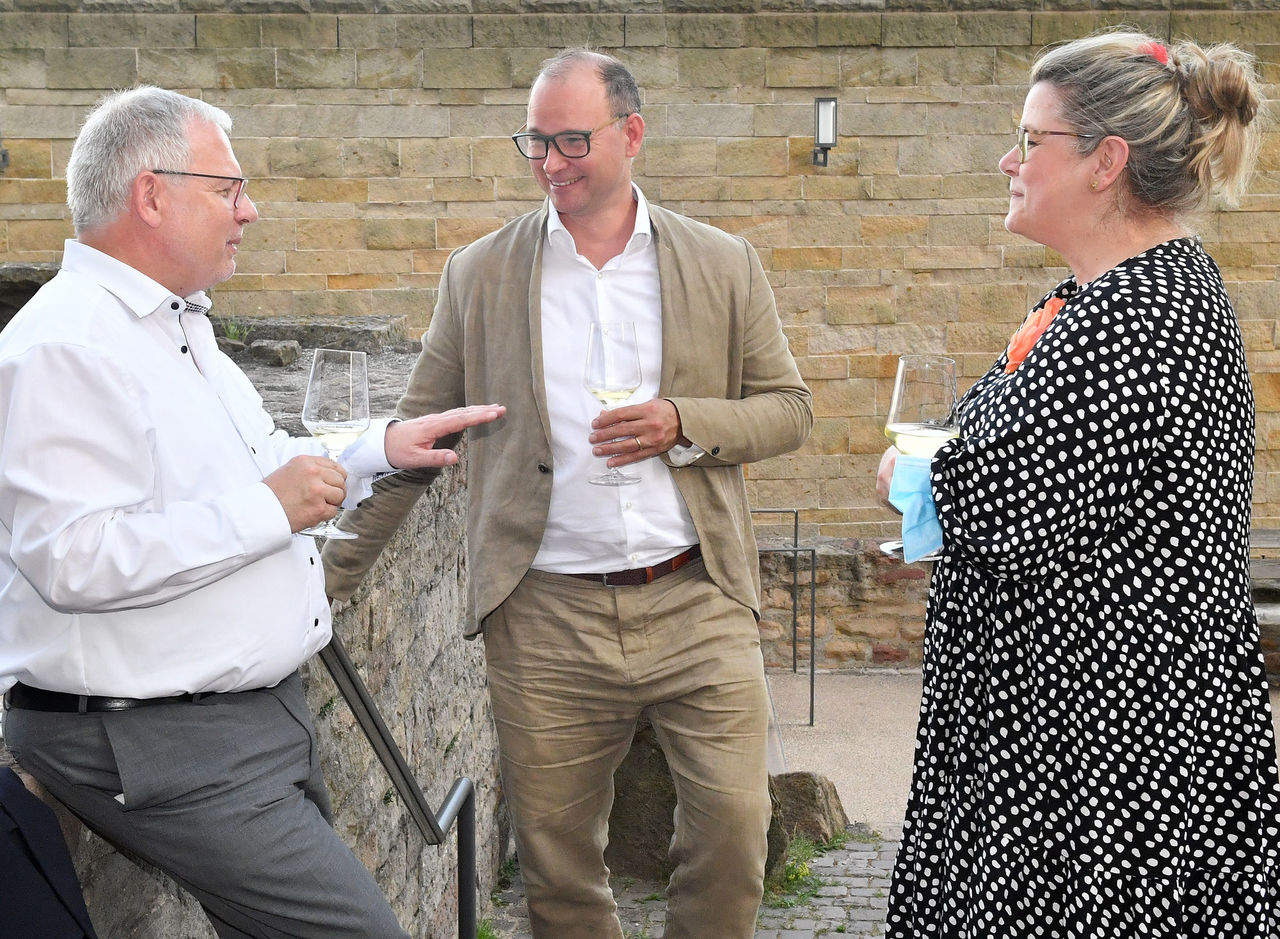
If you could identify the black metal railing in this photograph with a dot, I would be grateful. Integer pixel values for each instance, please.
(795, 550)
(459, 805)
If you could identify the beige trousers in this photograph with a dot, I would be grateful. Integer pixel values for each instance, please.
(571, 666)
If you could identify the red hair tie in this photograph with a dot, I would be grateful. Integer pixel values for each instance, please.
(1156, 51)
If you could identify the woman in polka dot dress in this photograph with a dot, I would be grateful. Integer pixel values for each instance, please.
(1095, 756)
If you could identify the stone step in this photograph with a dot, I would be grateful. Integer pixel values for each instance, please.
(368, 334)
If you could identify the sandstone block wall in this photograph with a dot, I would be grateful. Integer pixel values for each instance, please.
(867, 609)
(376, 137)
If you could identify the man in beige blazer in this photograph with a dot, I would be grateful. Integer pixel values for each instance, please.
(599, 603)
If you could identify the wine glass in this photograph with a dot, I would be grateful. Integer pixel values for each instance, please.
(612, 376)
(922, 410)
(922, 414)
(336, 411)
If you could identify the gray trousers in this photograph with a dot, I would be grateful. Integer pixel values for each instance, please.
(226, 796)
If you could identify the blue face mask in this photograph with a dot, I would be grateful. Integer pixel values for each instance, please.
(911, 494)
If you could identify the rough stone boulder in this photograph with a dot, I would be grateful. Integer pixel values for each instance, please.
(641, 824)
(277, 352)
(807, 804)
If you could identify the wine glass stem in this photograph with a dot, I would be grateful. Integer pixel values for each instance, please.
(333, 455)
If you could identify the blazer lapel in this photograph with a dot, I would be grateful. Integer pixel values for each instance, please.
(534, 303)
(680, 345)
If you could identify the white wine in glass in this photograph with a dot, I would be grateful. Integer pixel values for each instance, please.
(336, 411)
(922, 410)
(612, 376)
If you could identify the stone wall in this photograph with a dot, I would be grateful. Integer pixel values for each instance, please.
(376, 138)
(868, 609)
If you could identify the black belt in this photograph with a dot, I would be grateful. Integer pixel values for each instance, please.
(643, 575)
(26, 698)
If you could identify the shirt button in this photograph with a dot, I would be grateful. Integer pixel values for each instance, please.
(317, 622)
(544, 468)
(184, 350)
(173, 306)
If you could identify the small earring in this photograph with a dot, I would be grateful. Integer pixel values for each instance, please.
(1093, 184)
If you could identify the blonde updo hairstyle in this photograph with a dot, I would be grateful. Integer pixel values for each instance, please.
(1189, 121)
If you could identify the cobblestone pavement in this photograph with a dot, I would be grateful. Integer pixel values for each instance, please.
(851, 901)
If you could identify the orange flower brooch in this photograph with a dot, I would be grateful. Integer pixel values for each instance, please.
(1035, 324)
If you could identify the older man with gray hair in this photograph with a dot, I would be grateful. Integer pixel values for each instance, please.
(157, 594)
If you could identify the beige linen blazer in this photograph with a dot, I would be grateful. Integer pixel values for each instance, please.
(725, 365)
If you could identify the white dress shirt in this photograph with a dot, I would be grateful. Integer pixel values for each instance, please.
(603, 528)
(141, 553)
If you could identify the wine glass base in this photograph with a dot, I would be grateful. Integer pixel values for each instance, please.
(893, 549)
(613, 479)
(330, 531)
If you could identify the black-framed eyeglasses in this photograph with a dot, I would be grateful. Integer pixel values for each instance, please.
(1022, 138)
(240, 181)
(572, 144)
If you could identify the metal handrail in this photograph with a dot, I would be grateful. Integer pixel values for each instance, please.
(459, 804)
(795, 551)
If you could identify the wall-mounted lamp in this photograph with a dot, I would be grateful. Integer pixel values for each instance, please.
(824, 129)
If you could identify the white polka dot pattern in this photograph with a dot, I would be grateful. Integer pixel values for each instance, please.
(1095, 755)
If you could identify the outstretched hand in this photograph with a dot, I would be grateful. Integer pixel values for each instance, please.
(412, 444)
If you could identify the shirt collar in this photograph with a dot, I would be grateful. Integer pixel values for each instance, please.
(141, 295)
(642, 234)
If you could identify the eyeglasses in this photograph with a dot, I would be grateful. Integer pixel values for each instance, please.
(572, 144)
(1022, 138)
(240, 182)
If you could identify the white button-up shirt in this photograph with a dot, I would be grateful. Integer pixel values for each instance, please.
(141, 553)
(603, 528)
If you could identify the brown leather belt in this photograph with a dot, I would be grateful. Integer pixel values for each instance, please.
(643, 575)
(26, 698)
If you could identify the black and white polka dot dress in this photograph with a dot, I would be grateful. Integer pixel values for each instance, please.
(1095, 756)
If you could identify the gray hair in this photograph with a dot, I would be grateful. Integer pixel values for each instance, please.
(127, 132)
(1188, 120)
(619, 84)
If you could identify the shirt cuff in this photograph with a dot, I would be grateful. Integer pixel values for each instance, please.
(365, 460)
(259, 519)
(680, 455)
